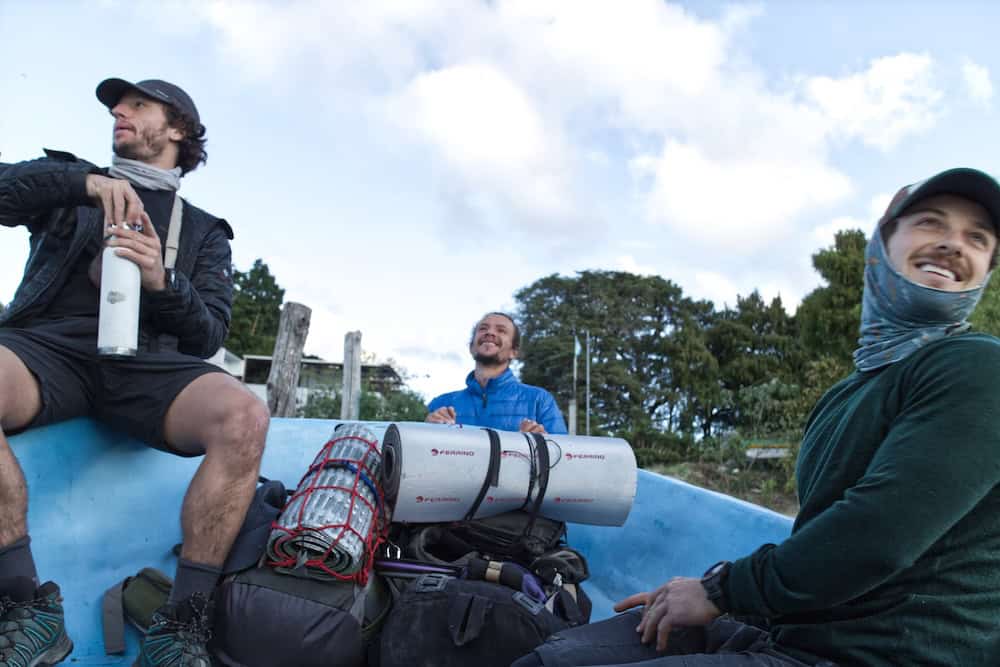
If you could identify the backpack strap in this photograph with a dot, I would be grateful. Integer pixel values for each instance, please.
(174, 233)
(467, 616)
(113, 618)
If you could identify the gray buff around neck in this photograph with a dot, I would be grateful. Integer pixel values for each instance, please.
(142, 175)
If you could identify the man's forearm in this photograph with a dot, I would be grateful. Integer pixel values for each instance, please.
(28, 189)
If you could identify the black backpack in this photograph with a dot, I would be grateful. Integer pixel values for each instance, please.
(441, 621)
(497, 588)
(533, 544)
(265, 618)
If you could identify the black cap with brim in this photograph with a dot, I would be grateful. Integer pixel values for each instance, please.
(110, 91)
(972, 184)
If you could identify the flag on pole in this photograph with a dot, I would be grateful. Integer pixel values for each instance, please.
(576, 346)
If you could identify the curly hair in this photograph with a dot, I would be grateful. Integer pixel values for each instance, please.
(191, 151)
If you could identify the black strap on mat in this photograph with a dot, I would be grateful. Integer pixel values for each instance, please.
(492, 477)
(541, 453)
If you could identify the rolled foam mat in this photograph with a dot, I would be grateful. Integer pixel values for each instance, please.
(434, 472)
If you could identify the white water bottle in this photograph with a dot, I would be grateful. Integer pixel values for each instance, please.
(118, 323)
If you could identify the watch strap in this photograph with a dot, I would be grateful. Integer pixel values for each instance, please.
(713, 581)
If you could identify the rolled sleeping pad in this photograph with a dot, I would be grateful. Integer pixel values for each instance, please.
(435, 472)
(328, 522)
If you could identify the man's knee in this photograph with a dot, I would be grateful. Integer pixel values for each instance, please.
(244, 426)
(20, 399)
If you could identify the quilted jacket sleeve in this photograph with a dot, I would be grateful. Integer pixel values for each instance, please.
(198, 308)
(30, 190)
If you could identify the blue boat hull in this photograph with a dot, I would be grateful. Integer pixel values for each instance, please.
(103, 505)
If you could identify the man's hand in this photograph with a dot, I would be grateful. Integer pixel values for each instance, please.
(142, 247)
(530, 426)
(117, 198)
(682, 601)
(445, 415)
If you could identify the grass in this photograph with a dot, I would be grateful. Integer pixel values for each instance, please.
(761, 483)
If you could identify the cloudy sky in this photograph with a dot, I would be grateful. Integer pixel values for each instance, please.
(403, 166)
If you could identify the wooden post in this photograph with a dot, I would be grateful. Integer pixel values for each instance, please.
(350, 399)
(283, 380)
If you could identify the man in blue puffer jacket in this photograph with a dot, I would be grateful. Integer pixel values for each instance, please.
(493, 397)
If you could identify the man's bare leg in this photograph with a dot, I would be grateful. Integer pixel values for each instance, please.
(217, 415)
(20, 401)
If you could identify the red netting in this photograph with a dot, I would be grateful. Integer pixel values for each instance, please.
(365, 469)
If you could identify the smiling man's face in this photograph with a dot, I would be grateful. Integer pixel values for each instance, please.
(944, 242)
(493, 341)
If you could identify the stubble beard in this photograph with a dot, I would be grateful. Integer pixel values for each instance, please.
(147, 145)
(488, 360)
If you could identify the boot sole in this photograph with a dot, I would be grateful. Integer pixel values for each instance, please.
(54, 655)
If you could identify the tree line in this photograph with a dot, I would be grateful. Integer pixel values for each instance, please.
(673, 374)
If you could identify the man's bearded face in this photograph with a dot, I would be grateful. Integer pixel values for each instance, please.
(141, 130)
(493, 341)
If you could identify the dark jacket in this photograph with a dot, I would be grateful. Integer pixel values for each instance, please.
(502, 404)
(49, 197)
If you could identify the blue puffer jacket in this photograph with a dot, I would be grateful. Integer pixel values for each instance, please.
(502, 404)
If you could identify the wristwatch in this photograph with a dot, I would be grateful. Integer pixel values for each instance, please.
(712, 582)
(170, 276)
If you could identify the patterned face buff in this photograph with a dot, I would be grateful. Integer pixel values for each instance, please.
(898, 316)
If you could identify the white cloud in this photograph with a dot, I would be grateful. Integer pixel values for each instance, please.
(826, 234)
(978, 82)
(508, 104)
(638, 56)
(737, 204)
(366, 45)
(493, 138)
(877, 207)
(629, 264)
(895, 97)
(715, 287)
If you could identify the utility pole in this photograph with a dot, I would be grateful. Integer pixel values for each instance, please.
(588, 382)
(572, 401)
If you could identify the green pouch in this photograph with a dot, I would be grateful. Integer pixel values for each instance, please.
(134, 598)
(143, 594)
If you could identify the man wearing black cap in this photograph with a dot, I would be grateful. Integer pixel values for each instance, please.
(166, 394)
(894, 557)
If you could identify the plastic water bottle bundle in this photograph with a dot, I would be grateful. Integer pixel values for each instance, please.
(336, 519)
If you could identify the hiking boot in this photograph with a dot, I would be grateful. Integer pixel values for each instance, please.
(178, 635)
(32, 629)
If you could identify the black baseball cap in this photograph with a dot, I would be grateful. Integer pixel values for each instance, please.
(972, 184)
(110, 91)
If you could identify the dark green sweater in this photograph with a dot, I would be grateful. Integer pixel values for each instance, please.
(894, 558)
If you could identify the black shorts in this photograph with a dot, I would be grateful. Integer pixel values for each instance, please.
(131, 393)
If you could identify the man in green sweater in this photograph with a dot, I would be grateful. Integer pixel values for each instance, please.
(894, 558)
